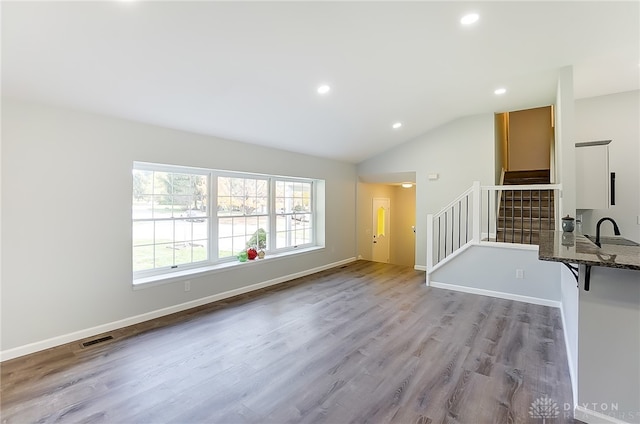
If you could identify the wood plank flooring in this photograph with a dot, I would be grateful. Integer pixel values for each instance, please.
(363, 343)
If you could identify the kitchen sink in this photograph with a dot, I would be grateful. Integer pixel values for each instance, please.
(619, 241)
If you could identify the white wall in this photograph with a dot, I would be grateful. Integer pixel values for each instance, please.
(66, 217)
(529, 139)
(492, 268)
(615, 117)
(569, 299)
(461, 152)
(565, 142)
(609, 346)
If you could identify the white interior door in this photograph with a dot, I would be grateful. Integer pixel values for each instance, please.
(381, 229)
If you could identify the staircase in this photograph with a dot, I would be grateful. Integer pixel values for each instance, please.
(511, 212)
(522, 214)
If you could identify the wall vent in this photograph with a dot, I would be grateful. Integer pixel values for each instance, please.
(96, 341)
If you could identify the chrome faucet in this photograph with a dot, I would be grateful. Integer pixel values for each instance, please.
(616, 230)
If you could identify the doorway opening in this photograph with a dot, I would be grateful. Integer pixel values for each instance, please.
(387, 218)
(525, 142)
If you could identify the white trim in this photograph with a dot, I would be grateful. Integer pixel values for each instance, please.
(455, 201)
(476, 226)
(500, 295)
(593, 417)
(520, 187)
(519, 246)
(187, 274)
(455, 253)
(90, 332)
(420, 268)
(429, 266)
(573, 372)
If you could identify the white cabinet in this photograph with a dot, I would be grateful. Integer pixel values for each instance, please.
(593, 180)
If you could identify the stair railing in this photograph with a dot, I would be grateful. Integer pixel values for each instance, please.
(490, 214)
(456, 225)
(518, 213)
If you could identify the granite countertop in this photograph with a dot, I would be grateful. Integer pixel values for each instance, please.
(575, 248)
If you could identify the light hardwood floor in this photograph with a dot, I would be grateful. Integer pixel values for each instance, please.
(367, 342)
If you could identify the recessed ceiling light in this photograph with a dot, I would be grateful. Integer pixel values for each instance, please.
(324, 89)
(469, 18)
(397, 125)
(407, 185)
(500, 91)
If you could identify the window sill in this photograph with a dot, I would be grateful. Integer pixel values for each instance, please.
(157, 280)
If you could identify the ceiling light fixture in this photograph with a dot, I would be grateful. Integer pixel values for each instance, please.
(397, 125)
(500, 91)
(469, 18)
(323, 89)
(407, 185)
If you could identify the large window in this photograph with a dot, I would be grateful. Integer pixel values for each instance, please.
(188, 218)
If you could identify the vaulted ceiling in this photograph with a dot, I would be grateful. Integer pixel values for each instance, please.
(249, 71)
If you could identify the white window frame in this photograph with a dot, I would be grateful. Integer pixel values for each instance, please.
(213, 262)
(216, 222)
(275, 214)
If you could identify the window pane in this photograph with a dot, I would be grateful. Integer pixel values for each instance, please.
(142, 257)
(142, 233)
(250, 188)
(200, 229)
(163, 255)
(161, 183)
(142, 207)
(263, 189)
(182, 253)
(225, 247)
(183, 231)
(162, 206)
(169, 218)
(239, 244)
(224, 205)
(225, 227)
(181, 205)
(294, 220)
(200, 249)
(142, 183)
(163, 231)
(239, 233)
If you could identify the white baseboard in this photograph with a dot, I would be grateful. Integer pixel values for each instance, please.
(420, 267)
(592, 417)
(93, 331)
(500, 295)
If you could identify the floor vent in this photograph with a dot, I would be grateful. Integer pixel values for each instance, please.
(96, 341)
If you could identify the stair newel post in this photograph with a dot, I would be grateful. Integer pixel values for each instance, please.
(429, 246)
(476, 211)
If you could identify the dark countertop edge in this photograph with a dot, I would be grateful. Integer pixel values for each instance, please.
(586, 262)
(545, 255)
(593, 143)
